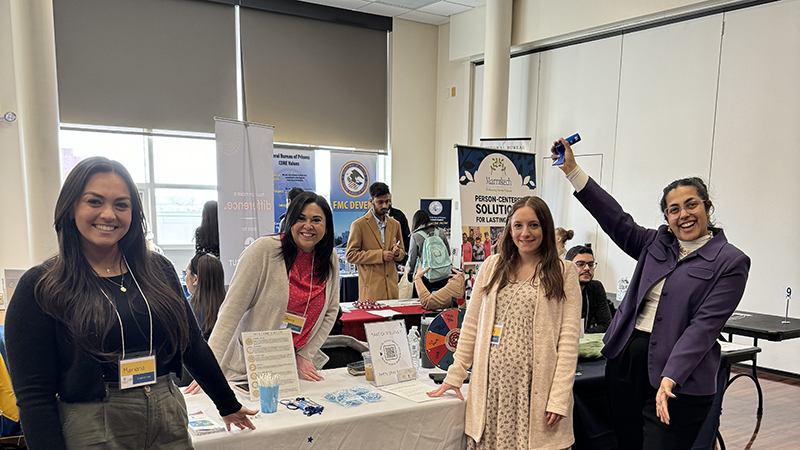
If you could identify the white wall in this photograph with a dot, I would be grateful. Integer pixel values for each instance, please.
(756, 158)
(29, 167)
(683, 100)
(452, 121)
(413, 98)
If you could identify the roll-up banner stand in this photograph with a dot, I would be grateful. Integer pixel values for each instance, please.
(244, 187)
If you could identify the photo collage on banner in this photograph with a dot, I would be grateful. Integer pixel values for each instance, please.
(292, 168)
(244, 187)
(491, 181)
(351, 176)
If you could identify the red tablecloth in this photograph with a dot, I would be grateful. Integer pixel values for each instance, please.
(353, 322)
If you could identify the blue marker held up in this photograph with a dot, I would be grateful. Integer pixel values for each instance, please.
(559, 148)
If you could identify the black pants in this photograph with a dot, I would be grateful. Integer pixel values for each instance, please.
(633, 404)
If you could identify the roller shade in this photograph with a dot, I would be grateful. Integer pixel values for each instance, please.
(318, 82)
(164, 64)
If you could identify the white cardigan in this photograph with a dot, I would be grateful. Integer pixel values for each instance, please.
(256, 301)
(557, 330)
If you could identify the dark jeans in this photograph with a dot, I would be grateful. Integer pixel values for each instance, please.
(633, 404)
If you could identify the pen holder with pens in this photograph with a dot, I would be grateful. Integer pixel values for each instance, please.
(268, 387)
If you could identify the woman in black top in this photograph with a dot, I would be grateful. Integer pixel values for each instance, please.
(206, 236)
(93, 333)
(205, 281)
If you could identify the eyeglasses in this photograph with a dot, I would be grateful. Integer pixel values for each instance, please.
(582, 264)
(690, 206)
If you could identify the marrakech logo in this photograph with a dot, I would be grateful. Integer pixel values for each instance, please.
(354, 179)
(497, 164)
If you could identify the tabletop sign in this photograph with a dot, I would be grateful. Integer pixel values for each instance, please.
(390, 352)
(271, 351)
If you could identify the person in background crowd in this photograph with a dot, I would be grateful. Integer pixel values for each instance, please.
(206, 236)
(594, 305)
(487, 245)
(466, 248)
(290, 195)
(471, 238)
(562, 236)
(661, 346)
(398, 215)
(424, 227)
(375, 246)
(102, 302)
(520, 336)
(279, 279)
(443, 297)
(205, 281)
(477, 249)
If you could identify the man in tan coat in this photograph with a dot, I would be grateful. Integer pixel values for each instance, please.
(374, 245)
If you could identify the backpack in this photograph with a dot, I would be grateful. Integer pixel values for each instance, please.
(435, 256)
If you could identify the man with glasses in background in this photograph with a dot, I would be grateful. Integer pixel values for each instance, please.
(595, 310)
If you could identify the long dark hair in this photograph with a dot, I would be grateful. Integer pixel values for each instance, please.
(210, 291)
(70, 291)
(550, 265)
(206, 236)
(420, 219)
(323, 264)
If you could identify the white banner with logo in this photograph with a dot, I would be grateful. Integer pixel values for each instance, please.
(244, 187)
(491, 181)
(515, 145)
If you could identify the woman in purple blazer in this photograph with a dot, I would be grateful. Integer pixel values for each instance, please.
(661, 346)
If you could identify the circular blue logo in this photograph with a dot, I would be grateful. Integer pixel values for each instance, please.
(354, 179)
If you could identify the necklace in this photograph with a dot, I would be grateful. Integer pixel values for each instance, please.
(121, 284)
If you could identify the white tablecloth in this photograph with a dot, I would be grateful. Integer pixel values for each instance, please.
(392, 423)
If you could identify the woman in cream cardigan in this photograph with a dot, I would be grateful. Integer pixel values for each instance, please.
(296, 273)
(520, 336)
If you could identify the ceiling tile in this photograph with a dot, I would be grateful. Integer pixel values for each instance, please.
(473, 3)
(344, 4)
(444, 8)
(410, 4)
(417, 16)
(383, 10)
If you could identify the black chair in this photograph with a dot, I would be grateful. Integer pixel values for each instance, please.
(342, 350)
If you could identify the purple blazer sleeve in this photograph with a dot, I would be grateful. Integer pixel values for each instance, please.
(617, 224)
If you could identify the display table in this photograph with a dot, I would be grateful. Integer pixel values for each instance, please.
(354, 320)
(392, 423)
(760, 326)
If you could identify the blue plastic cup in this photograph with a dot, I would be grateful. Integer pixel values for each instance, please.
(269, 398)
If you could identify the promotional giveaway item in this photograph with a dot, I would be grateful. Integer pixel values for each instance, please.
(271, 351)
(389, 349)
(200, 424)
(306, 405)
(268, 386)
(441, 339)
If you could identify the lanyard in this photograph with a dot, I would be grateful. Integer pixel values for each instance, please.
(119, 318)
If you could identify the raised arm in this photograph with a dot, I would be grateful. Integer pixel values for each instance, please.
(617, 224)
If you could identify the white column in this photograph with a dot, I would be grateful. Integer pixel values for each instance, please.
(496, 62)
(35, 84)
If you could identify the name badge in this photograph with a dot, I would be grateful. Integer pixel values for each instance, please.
(293, 322)
(135, 372)
(497, 331)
